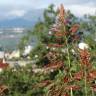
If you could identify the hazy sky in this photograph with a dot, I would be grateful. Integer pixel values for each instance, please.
(20, 7)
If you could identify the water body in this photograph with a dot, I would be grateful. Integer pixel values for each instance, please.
(9, 38)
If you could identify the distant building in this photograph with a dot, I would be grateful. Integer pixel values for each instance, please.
(14, 54)
(27, 50)
(19, 30)
(2, 53)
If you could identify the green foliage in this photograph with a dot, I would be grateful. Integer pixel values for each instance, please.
(49, 15)
(88, 25)
(24, 82)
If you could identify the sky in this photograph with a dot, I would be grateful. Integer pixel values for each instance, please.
(12, 8)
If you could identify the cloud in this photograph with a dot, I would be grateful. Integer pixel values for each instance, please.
(12, 8)
(81, 10)
(41, 3)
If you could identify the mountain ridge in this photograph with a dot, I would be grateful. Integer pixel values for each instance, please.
(28, 20)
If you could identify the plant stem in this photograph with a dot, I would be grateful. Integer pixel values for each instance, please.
(71, 92)
(68, 57)
(85, 81)
(93, 93)
(68, 53)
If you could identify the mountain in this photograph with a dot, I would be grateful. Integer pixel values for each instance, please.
(16, 22)
(34, 14)
(27, 20)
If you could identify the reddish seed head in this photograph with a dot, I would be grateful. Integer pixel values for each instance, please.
(85, 57)
(65, 94)
(55, 45)
(92, 74)
(3, 88)
(78, 75)
(66, 79)
(73, 87)
(76, 37)
(61, 13)
(94, 87)
(54, 65)
(59, 34)
(74, 28)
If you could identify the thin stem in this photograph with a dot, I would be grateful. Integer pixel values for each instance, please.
(85, 82)
(68, 57)
(69, 62)
(71, 92)
(93, 93)
(68, 53)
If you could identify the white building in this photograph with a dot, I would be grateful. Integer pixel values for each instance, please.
(15, 54)
(27, 50)
(1, 54)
